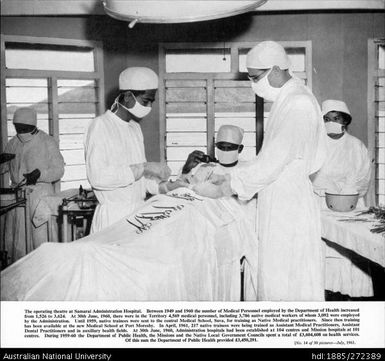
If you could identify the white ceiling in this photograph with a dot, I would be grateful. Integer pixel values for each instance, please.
(95, 7)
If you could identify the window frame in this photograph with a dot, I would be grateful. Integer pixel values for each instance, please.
(373, 74)
(234, 74)
(52, 77)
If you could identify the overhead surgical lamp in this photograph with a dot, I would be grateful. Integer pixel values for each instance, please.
(176, 11)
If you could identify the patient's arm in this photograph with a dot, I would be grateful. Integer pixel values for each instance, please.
(169, 185)
(211, 190)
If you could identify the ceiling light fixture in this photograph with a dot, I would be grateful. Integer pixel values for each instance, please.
(176, 11)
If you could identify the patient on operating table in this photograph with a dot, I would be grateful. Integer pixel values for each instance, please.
(200, 169)
(174, 247)
(237, 240)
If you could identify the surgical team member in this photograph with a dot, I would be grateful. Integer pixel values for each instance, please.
(115, 158)
(228, 146)
(37, 163)
(346, 170)
(348, 166)
(289, 231)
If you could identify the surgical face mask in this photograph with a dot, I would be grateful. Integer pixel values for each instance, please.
(333, 128)
(227, 157)
(264, 90)
(138, 110)
(26, 137)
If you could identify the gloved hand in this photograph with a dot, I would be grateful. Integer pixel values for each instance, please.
(6, 157)
(157, 170)
(192, 161)
(32, 177)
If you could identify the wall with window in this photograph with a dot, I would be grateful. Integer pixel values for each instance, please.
(339, 50)
(66, 75)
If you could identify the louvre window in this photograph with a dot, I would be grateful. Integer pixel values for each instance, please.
(376, 118)
(379, 104)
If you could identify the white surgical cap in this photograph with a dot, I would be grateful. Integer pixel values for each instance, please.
(138, 78)
(267, 54)
(331, 105)
(230, 134)
(25, 116)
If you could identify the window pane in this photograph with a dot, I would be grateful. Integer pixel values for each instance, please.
(185, 124)
(244, 121)
(381, 172)
(75, 91)
(186, 139)
(75, 184)
(381, 57)
(48, 57)
(186, 95)
(380, 143)
(181, 153)
(74, 172)
(198, 61)
(77, 107)
(71, 141)
(297, 58)
(234, 95)
(73, 157)
(380, 155)
(196, 109)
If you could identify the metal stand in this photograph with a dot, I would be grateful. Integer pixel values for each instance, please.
(72, 216)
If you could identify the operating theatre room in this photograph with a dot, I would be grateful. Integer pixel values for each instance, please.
(224, 151)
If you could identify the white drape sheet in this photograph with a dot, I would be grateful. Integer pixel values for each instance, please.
(178, 258)
(345, 271)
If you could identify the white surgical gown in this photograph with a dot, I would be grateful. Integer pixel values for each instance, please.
(289, 230)
(111, 146)
(41, 152)
(347, 167)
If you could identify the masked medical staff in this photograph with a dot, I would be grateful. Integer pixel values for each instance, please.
(228, 146)
(232, 247)
(291, 254)
(37, 164)
(115, 158)
(347, 168)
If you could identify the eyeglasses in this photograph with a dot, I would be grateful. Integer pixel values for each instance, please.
(256, 78)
